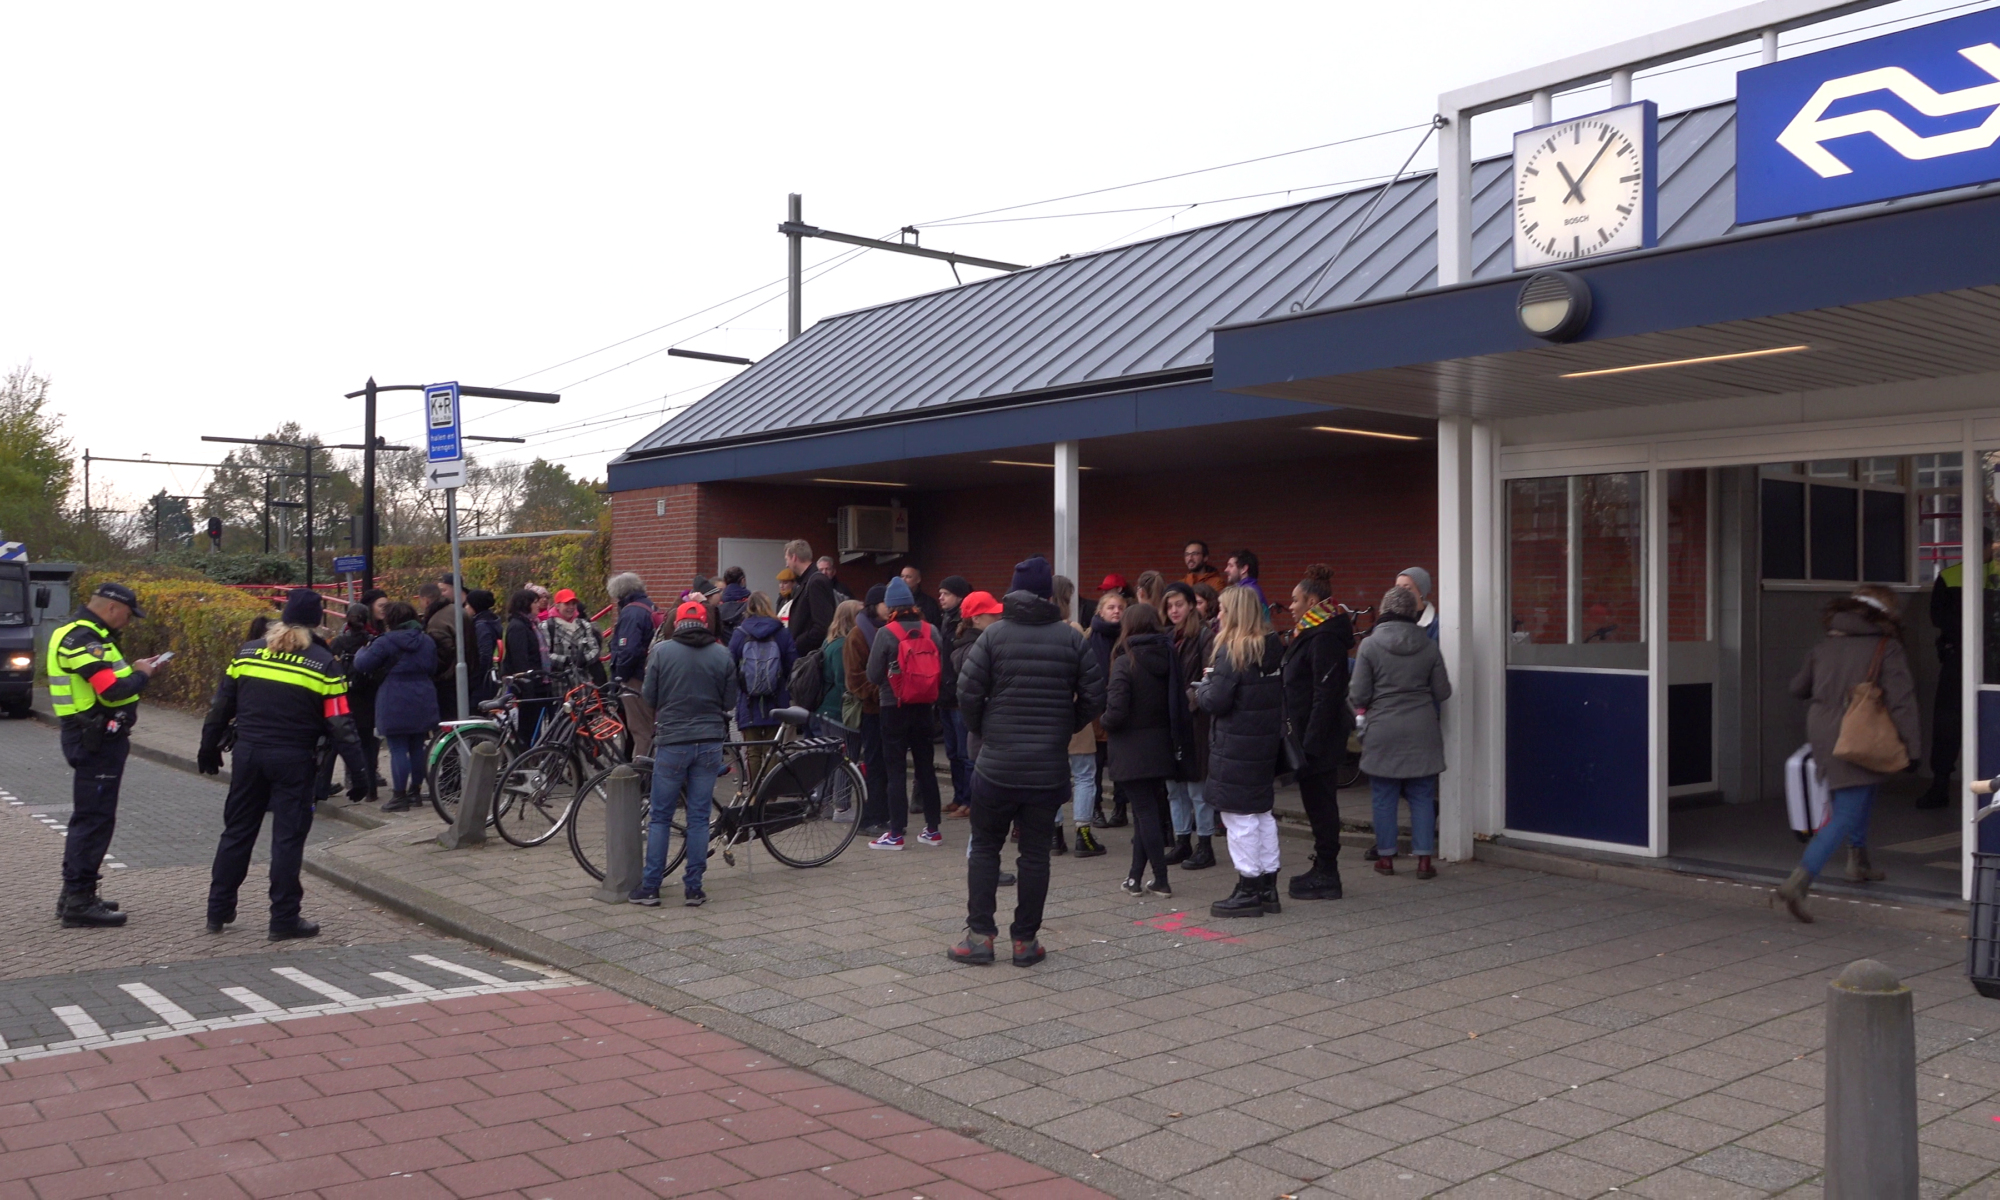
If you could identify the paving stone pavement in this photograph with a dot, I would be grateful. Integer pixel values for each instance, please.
(1494, 1032)
(565, 1092)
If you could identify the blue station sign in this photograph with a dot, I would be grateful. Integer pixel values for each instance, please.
(1898, 115)
(444, 431)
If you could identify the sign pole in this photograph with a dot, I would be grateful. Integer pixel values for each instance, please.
(457, 605)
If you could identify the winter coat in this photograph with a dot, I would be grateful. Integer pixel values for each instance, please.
(731, 607)
(579, 645)
(1194, 654)
(1248, 708)
(884, 654)
(630, 637)
(1136, 711)
(489, 629)
(959, 634)
(834, 672)
(361, 685)
(1030, 682)
(1832, 668)
(442, 626)
(755, 711)
(1399, 678)
(854, 663)
(1103, 636)
(405, 659)
(690, 683)
(812, 612)
(522, 655)
(1316, 711)
(1084, 741)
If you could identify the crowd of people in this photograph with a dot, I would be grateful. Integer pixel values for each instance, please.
(1178, 691)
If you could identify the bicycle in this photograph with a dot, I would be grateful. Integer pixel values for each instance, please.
(536, 795)
(449, 755)
(791, 806)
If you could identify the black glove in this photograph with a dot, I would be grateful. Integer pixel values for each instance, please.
(209, 761)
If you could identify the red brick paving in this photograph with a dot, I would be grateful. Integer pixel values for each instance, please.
(570, 1093)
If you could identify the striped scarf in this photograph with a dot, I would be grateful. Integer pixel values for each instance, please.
(1319, 614)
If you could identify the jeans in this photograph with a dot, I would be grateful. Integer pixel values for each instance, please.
(683, 767)
(1846, 825)
(1192, 815)
(406, 760)
(1422, 793)
(1082, 789)
(994, 811)
(280, 782)
(906, 739)
(1149, 828)
(958, 753)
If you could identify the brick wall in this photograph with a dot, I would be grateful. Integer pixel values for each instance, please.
(1367, 515)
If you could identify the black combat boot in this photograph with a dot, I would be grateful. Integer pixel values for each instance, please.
(83, 910)
(1181, 851)
(1322, 882)
(1267, 892)
(1246, 901)
(1203, 856)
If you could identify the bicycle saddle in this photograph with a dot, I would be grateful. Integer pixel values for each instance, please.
(797, 718)
(492, 705)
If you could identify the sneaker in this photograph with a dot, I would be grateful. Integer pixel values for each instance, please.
(930, 837)
(693, 897)
(1132, 887)
(890, 840)
(648, 896)
(872, 829)
(844, 815)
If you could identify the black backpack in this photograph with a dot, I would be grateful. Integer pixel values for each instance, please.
(808, 683)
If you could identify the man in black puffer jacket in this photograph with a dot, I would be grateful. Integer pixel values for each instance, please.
(1030, 683)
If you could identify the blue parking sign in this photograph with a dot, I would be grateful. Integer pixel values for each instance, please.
(442, 422)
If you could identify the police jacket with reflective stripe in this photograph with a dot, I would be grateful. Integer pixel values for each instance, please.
(282, 701)
(87, 669)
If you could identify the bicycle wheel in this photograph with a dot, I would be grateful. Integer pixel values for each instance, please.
(535, 795)
(450, 756)
(586, 824)
(796, 802)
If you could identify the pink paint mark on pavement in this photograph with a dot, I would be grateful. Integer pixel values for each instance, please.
(1177, 923)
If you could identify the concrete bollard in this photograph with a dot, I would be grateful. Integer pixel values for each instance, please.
(1871, 1086)
(624, 844)
(475, 798)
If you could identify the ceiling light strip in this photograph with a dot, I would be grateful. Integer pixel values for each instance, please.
(1009, 462)
(863, 482)
(1374, 433)
(1686, 362)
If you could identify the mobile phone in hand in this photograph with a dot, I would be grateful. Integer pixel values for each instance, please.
(163, 658)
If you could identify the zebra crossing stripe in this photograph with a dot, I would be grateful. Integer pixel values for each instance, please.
(163, 1008)
(79, 1022)
(405, 982)
(252, 1001)
(432, 960)
(320, 986)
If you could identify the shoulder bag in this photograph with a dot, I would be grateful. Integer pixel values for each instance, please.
(1868, 737)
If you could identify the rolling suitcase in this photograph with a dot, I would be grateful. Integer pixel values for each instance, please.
(1808, 803)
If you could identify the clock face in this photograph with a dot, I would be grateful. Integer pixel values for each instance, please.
(1584, 187)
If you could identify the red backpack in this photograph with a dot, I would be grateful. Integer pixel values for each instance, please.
(919, 672)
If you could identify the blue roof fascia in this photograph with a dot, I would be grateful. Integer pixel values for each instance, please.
(1140, 410)
(1909, 251)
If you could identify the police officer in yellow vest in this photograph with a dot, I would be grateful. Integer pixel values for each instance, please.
(96, 693)
(283, 693)
(1947, 720)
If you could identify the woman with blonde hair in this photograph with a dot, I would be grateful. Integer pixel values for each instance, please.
(1244, 695)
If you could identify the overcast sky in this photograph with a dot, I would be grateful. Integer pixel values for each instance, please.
(218, 217)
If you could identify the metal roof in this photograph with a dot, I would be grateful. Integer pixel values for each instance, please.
(1121, 316)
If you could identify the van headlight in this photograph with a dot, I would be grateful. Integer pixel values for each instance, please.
(20, 662)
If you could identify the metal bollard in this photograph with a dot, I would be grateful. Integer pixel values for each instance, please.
(475, 798)
(624, 845)
(1871, 1086)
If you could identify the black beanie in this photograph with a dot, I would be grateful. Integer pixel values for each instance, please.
(877, 595)
(957, 585)
(1032, 575)
(303, 607)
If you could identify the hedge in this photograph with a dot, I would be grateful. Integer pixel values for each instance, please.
(579, 562)
(202, 622)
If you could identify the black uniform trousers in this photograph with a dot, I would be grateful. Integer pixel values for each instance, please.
(1947, 715)
(280, 782)
(93, 802)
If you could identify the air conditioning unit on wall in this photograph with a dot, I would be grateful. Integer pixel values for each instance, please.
(871, 529)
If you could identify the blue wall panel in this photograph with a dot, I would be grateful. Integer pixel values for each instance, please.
(1576, 755)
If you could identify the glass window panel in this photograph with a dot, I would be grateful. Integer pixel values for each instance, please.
(1939, 470)
(1538, 560)
(1884, 544)
(1687, 556)
(1831, 468)
(1790, 468)
(1938, 479)
(1885, 472)
(1784, 529)
(1833, 525)
(1611, 527)
(13, 601)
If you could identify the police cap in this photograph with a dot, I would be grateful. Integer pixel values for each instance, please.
(122, 594)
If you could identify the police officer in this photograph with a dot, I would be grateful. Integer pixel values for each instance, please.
(284, 692)
(1947, 715)
(96, 693)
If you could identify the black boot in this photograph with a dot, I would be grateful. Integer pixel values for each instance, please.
(297, 927)
(1246, 901)
(62, 897)
(1087, 845)
(1182, 849)
(1118, 819)
(1059, 846)
(1322, 882)
(399, 802)
(83, 910)
(1267, 891)
(1937, 795)
(1203, 856)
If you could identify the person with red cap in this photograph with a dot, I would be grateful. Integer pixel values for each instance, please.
(690, 685)
(575, 647)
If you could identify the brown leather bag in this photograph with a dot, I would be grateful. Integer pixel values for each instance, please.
(1868, 736)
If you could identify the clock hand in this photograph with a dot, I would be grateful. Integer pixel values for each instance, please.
(1573, 187)
(1577, 186)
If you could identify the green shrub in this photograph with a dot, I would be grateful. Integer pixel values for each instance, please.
(201, 621)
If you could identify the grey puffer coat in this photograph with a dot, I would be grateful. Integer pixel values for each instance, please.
(1248, 711)
(1030, 682)
(1399, 678)
(1831, 670)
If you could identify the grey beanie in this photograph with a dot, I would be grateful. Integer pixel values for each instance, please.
(1422, 579)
